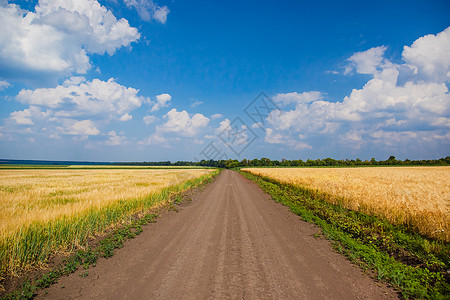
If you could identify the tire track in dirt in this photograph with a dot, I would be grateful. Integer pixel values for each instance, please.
(231, 242)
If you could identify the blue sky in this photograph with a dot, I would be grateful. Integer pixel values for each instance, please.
(134, 80)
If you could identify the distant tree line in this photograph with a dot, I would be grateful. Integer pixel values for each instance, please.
(325, 162)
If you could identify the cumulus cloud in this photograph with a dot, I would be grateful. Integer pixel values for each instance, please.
(22, 117)
(148, 10)
(383, 112)
(106, 99)
(26, 116)
(161, 101)
(430, 56)
(76, 106)
(57, 37)
(180, 122)
(368, 62)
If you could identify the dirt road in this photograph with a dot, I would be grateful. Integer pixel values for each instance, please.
(231, 242)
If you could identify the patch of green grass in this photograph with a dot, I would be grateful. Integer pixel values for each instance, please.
(414, 264)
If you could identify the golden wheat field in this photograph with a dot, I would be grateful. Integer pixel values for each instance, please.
(43, 211)
(416, 196)
(27, 196)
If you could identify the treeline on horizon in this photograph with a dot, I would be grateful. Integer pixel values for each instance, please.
(325, 162)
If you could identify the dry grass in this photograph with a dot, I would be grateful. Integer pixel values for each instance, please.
(415, 196)
(45, 210)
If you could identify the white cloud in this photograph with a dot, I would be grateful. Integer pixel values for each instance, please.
(367, 62)
(57, 37)
(216, 116)
(353, 136)
(161, 101)
(382, 113)
(161, 14)
(126, 117)
(273, 138)
(225, 125)
(149, 119)
(239, 134)
(4, 85)
(77, 107)
(181, 122)
(115, 139)
(148, 10)
(296, 98)
(106, 99)
(257, 125)
(85, 127)
(430, 55)
(74, 80)
(26, 116)
(22, 117)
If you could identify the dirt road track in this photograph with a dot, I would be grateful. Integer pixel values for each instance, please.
(231, 242)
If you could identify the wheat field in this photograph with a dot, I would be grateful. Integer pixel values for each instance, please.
(48, 210)
(415, 196)
(41, 195)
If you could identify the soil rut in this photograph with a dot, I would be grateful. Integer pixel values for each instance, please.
(231, 242)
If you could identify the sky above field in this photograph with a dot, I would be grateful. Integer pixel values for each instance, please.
(141, 80)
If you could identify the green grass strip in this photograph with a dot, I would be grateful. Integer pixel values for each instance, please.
(414, 264)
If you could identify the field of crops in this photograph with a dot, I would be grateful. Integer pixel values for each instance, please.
(48, 210)
(415, 196)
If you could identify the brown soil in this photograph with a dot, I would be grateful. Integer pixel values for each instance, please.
(230, 242)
